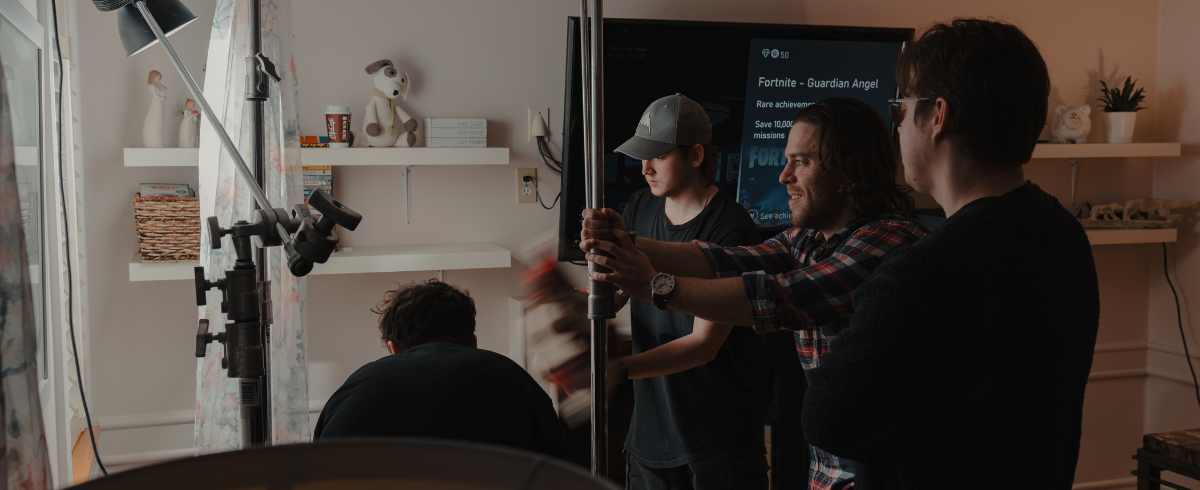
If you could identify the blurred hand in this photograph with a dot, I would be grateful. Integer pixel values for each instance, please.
(600, 222)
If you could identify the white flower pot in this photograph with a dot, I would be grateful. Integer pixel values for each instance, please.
(1118, 126)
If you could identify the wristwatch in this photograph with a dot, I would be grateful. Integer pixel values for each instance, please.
(660, 286)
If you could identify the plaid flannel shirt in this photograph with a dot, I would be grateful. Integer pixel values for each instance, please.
(800, 281)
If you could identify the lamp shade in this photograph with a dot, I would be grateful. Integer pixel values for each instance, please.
(135, 33)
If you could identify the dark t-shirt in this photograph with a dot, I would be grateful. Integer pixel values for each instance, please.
(445, 391)
(683, 417)
(968, 354)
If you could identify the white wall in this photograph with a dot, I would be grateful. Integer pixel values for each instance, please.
(480, 58)
(1172, 405)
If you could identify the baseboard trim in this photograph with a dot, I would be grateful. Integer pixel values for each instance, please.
(1106, 484)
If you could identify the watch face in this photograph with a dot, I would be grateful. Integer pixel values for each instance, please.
(662, 284)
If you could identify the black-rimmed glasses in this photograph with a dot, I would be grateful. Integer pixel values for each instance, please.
(896, 108)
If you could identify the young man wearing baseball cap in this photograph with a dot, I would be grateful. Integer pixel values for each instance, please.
(699, 386)
(848, 212)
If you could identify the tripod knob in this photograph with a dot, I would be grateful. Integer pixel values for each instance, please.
(330, 209)
(215, 232)
(202, 287)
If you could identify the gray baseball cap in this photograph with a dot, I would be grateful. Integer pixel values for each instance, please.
(669, 122)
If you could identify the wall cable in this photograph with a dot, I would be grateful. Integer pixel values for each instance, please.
(1179, 317)
(62, 191)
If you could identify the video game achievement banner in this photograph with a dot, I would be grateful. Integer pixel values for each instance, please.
(785, 76)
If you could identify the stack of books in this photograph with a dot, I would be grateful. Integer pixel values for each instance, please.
(317, 177)
(442, 132)
(314, 142)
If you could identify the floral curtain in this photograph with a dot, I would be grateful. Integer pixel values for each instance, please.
(224, 194)
(23, 442)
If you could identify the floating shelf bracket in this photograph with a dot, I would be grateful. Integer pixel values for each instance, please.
(407, 176)
(1073, 180)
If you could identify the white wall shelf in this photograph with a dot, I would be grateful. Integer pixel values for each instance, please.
(359, 260)
(1103, 150)
(404, 156)
(1118, 237)
(162, 157)
(190, 157)
(1106, 150)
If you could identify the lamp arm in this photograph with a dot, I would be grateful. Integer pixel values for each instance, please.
(239, 163)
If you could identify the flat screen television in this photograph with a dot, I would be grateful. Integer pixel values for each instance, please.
(752, 79)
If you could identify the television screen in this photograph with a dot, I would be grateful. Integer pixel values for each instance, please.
(752, 79)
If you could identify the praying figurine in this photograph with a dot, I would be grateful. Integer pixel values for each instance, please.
(189, 127)
(152, 130)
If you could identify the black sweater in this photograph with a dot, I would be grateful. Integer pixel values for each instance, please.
(966, 360)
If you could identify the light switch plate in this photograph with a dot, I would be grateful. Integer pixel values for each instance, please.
(526, 192)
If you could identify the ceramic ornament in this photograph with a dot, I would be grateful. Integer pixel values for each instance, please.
(386, 123)
(189, 127)
(152, 130)
(1071, 124)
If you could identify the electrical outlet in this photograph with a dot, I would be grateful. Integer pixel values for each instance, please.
(526, 191)
(533, 112)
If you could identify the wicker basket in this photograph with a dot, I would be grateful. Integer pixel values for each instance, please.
(168, 228)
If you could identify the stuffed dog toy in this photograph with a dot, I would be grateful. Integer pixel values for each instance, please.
(386, 123)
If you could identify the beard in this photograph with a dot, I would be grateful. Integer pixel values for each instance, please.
(817, 210)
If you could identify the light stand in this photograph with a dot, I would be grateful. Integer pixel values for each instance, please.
(246, 292)
(600, 294)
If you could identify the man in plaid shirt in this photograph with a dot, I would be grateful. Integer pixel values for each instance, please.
(847, 211)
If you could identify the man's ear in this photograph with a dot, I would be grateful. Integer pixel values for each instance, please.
(939, 118)
(697, 155)
(391, 347)
(474, 341)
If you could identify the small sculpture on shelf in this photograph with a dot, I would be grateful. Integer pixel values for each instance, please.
(1135, 213)
(1071, 124)
(386, 124)
(152, 129)
(189, 127)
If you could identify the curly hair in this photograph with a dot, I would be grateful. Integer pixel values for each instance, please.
(422, 311)
(855, 147)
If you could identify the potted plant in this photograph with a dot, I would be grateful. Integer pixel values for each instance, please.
(1120, 110)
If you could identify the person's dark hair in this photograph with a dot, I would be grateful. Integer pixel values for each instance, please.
(421, 311)
(708, 166)
(994, 79)
(855, 146)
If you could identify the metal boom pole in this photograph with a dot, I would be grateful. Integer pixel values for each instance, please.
(600, 294)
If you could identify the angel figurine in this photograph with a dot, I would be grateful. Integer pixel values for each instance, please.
(152, 130)
(189, 128)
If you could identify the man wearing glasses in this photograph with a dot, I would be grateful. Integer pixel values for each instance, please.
(848, 212)
(965, 362)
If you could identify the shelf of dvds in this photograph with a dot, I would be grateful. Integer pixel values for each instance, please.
(361, 260)
(340, 157)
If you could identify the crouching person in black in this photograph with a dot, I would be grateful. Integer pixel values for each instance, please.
(437, 383)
